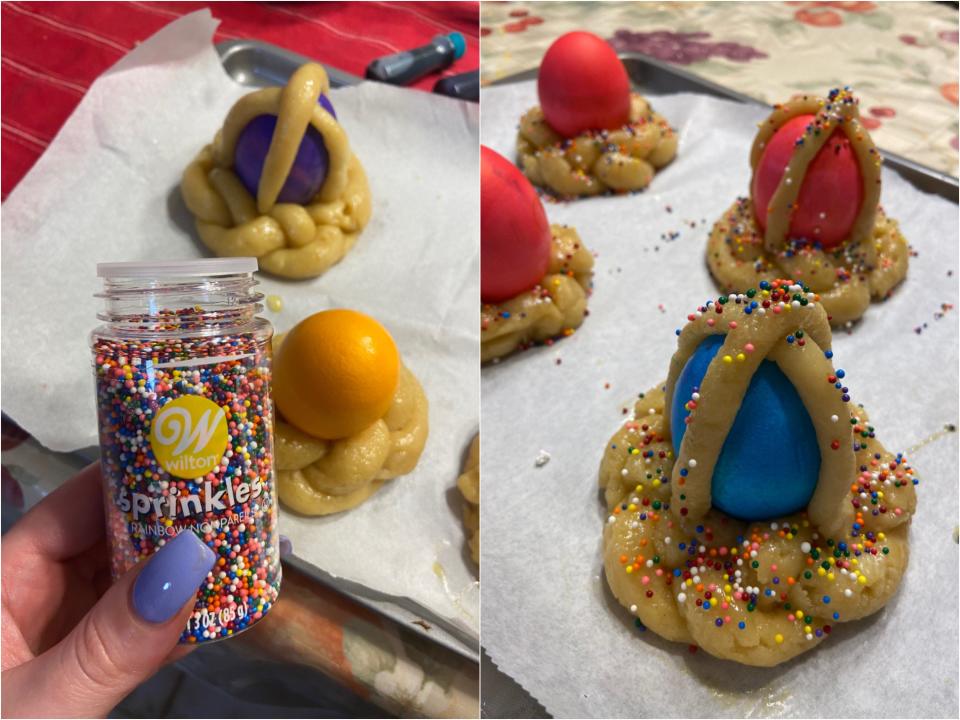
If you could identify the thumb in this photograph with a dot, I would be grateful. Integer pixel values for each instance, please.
(123, 640)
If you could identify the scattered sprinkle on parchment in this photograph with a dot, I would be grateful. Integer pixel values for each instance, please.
(944, 309)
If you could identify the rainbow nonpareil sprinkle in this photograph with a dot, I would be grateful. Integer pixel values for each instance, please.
(177, 406)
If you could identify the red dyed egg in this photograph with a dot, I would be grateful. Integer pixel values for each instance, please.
(832, 187)
(583, 85)
(514, 231)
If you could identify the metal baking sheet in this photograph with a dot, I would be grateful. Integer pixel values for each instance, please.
(661, 78)
(261, 64)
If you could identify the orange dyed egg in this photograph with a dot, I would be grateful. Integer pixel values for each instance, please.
(335, 374)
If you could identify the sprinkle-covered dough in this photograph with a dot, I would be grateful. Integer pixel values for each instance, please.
(847, 278)
(293, 241)
(867, 265)
(758, 593)
(596, 162)
(556, 306)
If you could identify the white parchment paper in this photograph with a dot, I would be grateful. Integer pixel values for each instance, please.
(549, 620)
(107, 190)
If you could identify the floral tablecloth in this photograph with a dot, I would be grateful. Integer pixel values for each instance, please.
(900, 57)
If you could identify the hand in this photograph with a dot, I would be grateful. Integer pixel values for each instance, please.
(73, 644)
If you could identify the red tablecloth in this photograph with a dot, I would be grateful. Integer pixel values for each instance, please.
(52, 52)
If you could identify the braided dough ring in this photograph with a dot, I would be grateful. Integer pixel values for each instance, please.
(469, 484)
(320, 477)
(846, 278)
(293, 241)
(597, 161)
(667, 552)
(867, 265)
(556, 306)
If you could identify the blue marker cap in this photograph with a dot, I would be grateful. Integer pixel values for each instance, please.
(459, 44)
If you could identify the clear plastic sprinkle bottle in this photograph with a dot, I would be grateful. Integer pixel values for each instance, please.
(182, 366)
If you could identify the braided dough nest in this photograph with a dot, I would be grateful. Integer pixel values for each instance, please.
(557, 305)
(788, 580)
(469, 484)
(846, 278)
(596, 162)
(320, 477)
(290, 240)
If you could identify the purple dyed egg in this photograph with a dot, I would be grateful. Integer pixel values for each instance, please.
(310, 167)
(328, 106)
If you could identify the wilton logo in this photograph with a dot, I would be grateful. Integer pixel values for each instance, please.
(189, 436)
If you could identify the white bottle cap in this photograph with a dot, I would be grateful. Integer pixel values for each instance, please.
(178, 268)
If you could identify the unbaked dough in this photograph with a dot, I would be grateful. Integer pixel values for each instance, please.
(556, 306)
(758, 593)
(292, 241)
(320, 477)
(846, 278)
(867, 265)
(595, 162)
(469, 484)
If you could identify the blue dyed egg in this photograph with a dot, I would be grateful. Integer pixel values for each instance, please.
(770, 461)
(310, 167)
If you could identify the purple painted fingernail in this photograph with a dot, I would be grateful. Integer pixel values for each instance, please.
(286, 547)
(171, 577)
